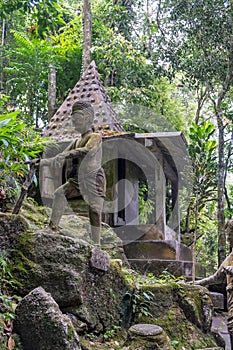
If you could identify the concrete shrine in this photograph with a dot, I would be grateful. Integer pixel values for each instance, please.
(156, 161)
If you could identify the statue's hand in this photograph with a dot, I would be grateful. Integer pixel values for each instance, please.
(228, 270)
(58, 160)
(53, 161)
(200, 282)
(72, 154)
(192, 283)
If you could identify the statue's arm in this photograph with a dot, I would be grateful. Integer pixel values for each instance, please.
(217, 278)
(93, 143)
(57, 161)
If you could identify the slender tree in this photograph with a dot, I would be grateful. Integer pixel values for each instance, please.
(87, 33)
(196, 38)
(51, 91)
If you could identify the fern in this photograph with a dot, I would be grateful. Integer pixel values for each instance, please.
(23, 41)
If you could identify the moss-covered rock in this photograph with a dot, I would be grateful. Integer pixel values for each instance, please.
(42, 326)
(10, 227)
(61, 265)
(183, 311)
(197, 306)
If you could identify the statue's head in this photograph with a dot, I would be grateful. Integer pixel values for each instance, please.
(82, 116)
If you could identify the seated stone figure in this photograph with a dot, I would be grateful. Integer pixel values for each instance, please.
(224, 274)
(85, 177)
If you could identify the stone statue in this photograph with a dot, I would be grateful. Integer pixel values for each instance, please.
(224, 274)
(85, 177)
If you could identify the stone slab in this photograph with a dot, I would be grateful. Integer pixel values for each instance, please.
(176, 267)
(218, 300)
(144, 330)
(131, 233)
(166, 250)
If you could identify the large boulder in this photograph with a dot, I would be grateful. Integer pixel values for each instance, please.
(41, 324)
(63, 266)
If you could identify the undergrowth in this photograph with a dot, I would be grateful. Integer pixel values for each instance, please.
(8, 301)
(143, 299)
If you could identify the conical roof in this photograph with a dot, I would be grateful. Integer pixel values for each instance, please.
(89, 89)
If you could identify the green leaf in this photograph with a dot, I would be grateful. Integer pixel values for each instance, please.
(148, 297)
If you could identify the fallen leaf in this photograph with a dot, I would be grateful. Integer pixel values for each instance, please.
(11, 343)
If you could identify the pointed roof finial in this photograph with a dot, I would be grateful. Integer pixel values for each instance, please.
(88, 89)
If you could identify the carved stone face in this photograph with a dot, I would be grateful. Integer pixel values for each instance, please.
(81, 121)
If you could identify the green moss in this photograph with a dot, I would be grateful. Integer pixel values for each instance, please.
(22, 269)
(22, 266)
(70, 335)
(178, 313)
(36, 216)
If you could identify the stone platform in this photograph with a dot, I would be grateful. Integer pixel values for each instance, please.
(131, 233)
(160, 256)
(157, 266)
(153, 249)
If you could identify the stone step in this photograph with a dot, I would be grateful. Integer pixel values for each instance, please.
(219, 324)
(175, 267)
(217, 300)
(157, 249)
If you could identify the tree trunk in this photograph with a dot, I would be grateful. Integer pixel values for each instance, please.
(51, 91)
(229, 155)
(194, 247)
(202, 96)
(221, 188)
(25, 186)
(3, 44)
(221, 159)
(87, 34)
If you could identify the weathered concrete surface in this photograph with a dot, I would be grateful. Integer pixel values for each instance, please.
(217, 300)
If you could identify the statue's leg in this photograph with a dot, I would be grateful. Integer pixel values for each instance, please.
(95, 221)
(230, 323)
(93, 190)
(95, 215)
(59, 203)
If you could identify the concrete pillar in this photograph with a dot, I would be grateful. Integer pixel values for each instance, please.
(160, 198)
(175, 225)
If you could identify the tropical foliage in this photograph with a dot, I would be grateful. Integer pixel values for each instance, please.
(18, 146)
